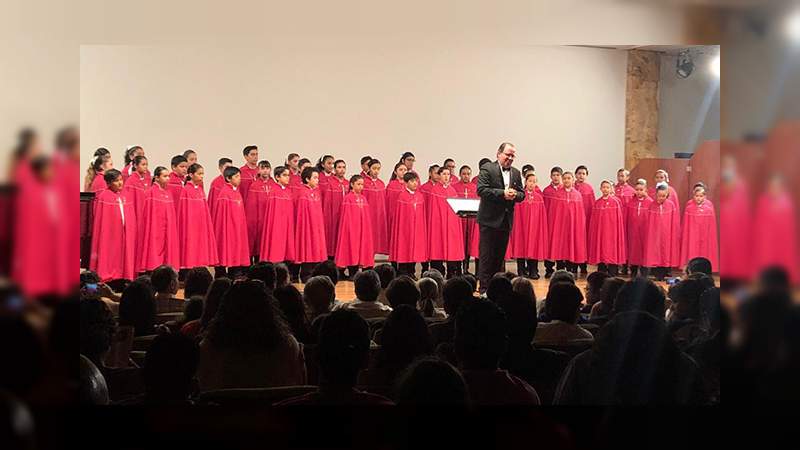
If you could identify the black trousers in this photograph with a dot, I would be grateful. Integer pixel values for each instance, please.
(492, 250)
(527, 267)
(306, 269)
(611, 269)
(407, 269)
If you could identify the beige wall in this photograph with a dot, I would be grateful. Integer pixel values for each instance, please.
(559, 105)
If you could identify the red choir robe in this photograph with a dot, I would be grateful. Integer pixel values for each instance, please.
(255, 207)
(136, 187)
(529, 232)
(277, 235)
(310, 227)
(662, 236)
(735, 227)
(587, 192)
(699, 233)
(776, 234)
(158, 241)
(354, 246)
(409, 243)
(295, 184)
(67, 255)
(445, 235)
(114, 231)
(375, 193)
(127, 171)
(336, 190)
(607, 232)
(216, 184)
(625, 192)
(248, 175)
(230, 227)
(98, 183)
(468, 190)
(672, 197)
(636, 226)
(393, 190)
(566, 221)
(175, 188)
(196, 229)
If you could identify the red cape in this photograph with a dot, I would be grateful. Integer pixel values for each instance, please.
(255, 207)
(248, 177)
(354, 246)
(310, 226)
(175, 188)
(195, 229)
(587, 192)
(776, 234)
(126, 171)
(662, 236)
(335, 190)
(567, 225)
(136, 188)
(113, 237)
(529, 231)
(216, 184)
(277, 235)
(445, 235)
(393, 190)
(672, 197)
(158, 243)
(98, 183)
(67, 255)
(607, 232)
(624, 192)
(295, 184)
(409, 243)
(735, 227)
(699, 233)
(230, 228)
(375, 193)
(636, 227)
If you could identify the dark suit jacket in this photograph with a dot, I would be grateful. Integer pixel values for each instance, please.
(495, 211)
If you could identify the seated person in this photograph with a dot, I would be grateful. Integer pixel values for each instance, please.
(563, 308)
(165, 284)
(169, 370)
(456, 292)
(368, 287)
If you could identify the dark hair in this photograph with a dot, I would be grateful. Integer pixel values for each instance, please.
(248, 320)
(431, 381)
(386, 273)
(699, 264)
(192, 170)
(177, 159)
(163, 278)
(464, 167)
(557, 170)
(336, 163)
(442, 169)
(482, 162)
(197, 282)
(213, 298)
(429, 295)
(456, 292)
(303, 161)
(640, 294)
(319, 293)
(223, 161)
(249, 149)
(169, 368)
(327, 268)
(481, 335)
(594, 282)
(157, 172)
(229, 172)
(355, 178)
(343, 347)
(137, 308)
(97, 327)
(472, 280)
(402, 291)
(264, 163)
(503, 146)
(373, 161)
(278, 171)
(774, 278)
(560, 276)
(499, 287)
(529, 176)
(129, 152)
(66, 138)
(321, 162)
(192, 309)
(433, 168)
(404, 337)
(138, 160)
(365, 159)
(290, 301)
(394, 171)
(281, 275)
(265, 272)
(521, 319)
(526, 168)
(406, 155)
(111, 176)
(582, 167)
(188, 152)
(685, 296)
(563, 302)
(291, 156)
(608, 295)
(367, 285)
(307, 173)
(408, 176)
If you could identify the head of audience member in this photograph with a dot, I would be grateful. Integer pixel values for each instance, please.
(97, 327)
(281, 275)
(386, 274)
(248, 321)
(329, 269)
(436, 276)
(499, 287)
(291, 304)
(481, 336)
(706, 280)
(774, 278)
(264, 272)
(403, 291)
(164, 280)
(404, 337)
(213, 298)
(431, 381)
(711, 310)
(560, 276)
(429, 294)
(685, 297)
(319, 295)
(640, 294)
(169, 369)
(563, 302)
(472, 280)
(367, 285)
(457, 292)
(197, 282)
(192, 309)
(699, 265)
(524, 287)
(608, 295)
(594, 282)
(92, 389)
(343, 349)
(22, 353)
(137, 308)
(521, 320)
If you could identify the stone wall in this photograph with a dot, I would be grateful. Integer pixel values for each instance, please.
(641, 106)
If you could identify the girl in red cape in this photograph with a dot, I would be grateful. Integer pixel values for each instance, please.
(636, 212)
(699, 230)
(393, 189)
(622, 190)
(249, 171)
(354, 248)
(465, 188)
(130, 166)
(528, 243)
(136, 187)
(409, 242)
(662, 235)
(114, 230)
(101, 164)
(662, 176)
(335, 191)
(94, 166)
(177, 178)
(310, 224)
(549, 193)
(277, 235)
(158, 242)
(607, 231)
(195, 228)
(567, 222)
(296, 179)
(375, 193)
(230, 223)
(425, 190)
(256, 206)
(218, 182)
(325, 166)
(445, 236)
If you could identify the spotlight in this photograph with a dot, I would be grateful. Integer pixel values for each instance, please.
(715, 66)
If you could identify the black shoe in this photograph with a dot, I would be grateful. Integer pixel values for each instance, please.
(535, 276)
(548, 274)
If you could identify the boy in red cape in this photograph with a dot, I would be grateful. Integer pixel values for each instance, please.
(113, 232)
(337, 187)
(249, 171)
(607, 232)
(567, 222)
(375, 193)
(445, 236)
(177, 178)
(256, 205)
(354, 247)
(662, 176)
(528, 243)
(310, 224)
(158, 242)
(662, 235)
(218, 182)
(699, 230)
(195, 228)
(393, 189)
(230, 223)
(549, 193)
(622, 189)
(277, 235)
(635, 225)
(465, 188)
(137, 185)
(587, 192)
(409, 242)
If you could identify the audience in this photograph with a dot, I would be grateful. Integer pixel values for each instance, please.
(429, 293)
(319, 296)
(169, 370)
(456, 292)
(264, 272)
(368, 287)
(685, 321)
(640, 294)
(290, 301)
(137, 308)
(594, 283)
(601, 311)
(436, 276)
(92, 390)
(699, 265)
(559, 276)
(404, 337)
(431, 381)
(499, 288)
(192, 311)
(197, 282)
(386, 274)
(563, 308)
(281, 275)
(97, 328)
(524, 287)
(164, 280)
(707, 351)
(327, 268)
(211, 303)
(404, 291)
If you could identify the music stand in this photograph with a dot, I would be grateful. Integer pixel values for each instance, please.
(464, 207)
